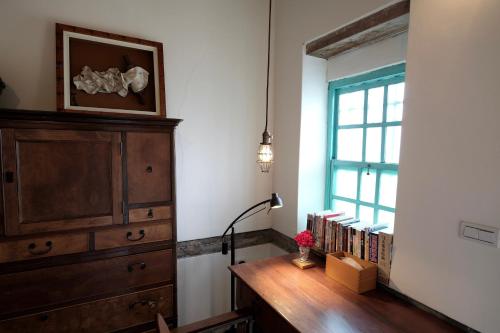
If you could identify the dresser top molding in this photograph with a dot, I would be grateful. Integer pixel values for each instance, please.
(66, 117)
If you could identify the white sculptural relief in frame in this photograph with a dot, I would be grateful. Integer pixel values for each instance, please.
(68, 80)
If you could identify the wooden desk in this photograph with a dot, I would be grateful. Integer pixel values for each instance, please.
(287, 299)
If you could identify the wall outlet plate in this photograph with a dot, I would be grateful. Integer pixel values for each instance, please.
(479, 233)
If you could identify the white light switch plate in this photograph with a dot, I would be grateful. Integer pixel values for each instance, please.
(479, 233)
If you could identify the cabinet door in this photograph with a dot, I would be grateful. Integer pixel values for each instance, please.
(59, 179)
(148, 167)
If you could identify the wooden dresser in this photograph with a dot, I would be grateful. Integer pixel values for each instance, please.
(87, 239)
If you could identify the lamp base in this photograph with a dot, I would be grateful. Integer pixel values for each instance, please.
(303, 264)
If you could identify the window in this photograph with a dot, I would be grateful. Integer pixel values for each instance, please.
(364, 132)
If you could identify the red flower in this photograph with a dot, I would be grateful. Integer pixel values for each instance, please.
(305, 239)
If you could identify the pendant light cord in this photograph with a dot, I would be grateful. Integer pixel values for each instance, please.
(268, 60)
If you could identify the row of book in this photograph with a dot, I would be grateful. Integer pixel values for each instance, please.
(336, 231)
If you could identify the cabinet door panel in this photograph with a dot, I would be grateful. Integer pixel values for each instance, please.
(57, 180)
(148, 167)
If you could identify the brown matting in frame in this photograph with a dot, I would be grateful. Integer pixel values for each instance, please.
(78, 47)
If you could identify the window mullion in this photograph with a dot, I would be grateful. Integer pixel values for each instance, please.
(365, 117)
(377, 196)
(363, 156)
(384, 126)
(358, 191)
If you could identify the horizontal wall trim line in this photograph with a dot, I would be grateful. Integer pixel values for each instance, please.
(197, 247)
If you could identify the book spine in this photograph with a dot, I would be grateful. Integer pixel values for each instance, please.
(373, 248)
(340, 231)
(345, 239)
(317, 235)
(361, 246)
(367, 244)
(327, 237)
(349, 239)
(334, 237)
(337, 237)
(310, 218)
(357, 242)
(313, 227)
(384, 257)
(354, 247)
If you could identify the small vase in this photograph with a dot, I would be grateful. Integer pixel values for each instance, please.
(304, 253)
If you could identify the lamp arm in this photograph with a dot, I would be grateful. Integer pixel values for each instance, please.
(242, 214)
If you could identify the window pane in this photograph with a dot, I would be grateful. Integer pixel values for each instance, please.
(375, 105)
(387, 189)
(365, 214)
(385, 217)
(373, 144)
(368, 183)
(392, 144)
(350, 144)
(346, 183)
(351, 108)
(395, 96)
(344, 206)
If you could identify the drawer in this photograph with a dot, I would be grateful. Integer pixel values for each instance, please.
(99, 316)
(148, 167)
(150, 214)
(46, 246)
(132, 235)
(56, 285)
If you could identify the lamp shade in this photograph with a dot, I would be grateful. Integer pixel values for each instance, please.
(276, 201)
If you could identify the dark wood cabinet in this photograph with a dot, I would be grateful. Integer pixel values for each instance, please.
(87, 237)
(60, 179)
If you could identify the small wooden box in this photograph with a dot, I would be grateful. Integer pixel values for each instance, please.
(359, 281)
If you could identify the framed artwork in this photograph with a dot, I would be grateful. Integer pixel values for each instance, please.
(105, 73)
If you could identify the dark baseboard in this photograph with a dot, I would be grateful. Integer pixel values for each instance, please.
(283, 241)
(197, 247)
(426, 308)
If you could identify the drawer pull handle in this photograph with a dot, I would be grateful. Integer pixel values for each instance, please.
(150, 213)
(9, 177)
(141, 233)
(149, 169)
(152, 304)
(32, 247)
(142, 265)
(44, 317)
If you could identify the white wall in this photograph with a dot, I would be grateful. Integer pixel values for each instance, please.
(450, 157)
(312, 150)
(204, 284)
(384, 53)
(215, 58)
(297, 22)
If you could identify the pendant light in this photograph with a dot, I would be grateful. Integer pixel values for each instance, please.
(265, 152)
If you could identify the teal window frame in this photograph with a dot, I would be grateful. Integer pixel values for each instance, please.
(378, 78)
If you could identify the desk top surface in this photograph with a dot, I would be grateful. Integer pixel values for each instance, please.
(312, 302)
